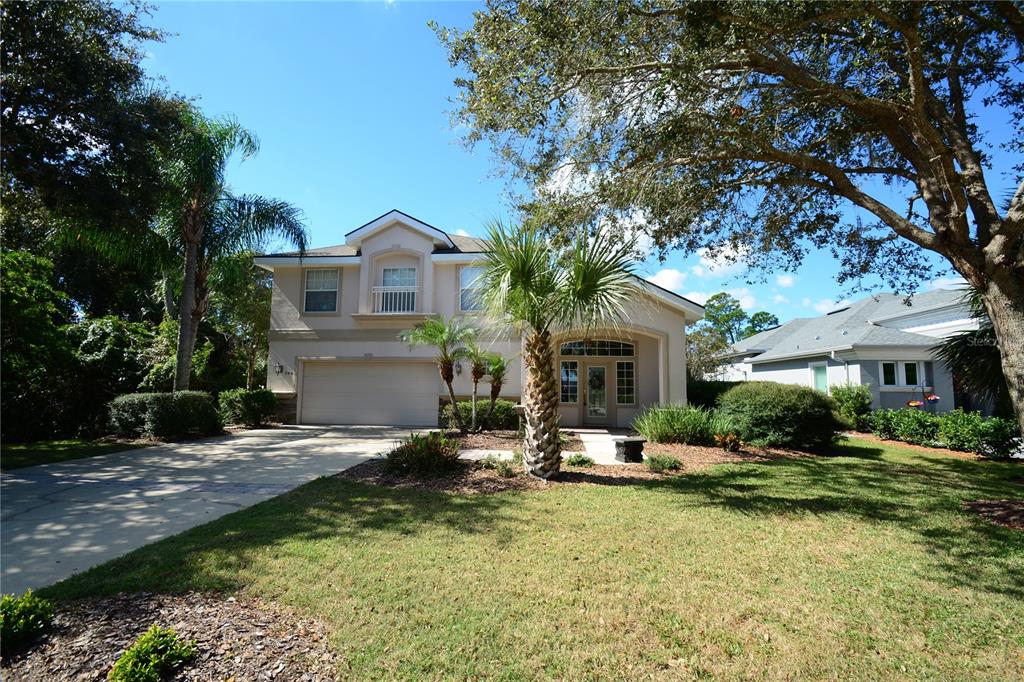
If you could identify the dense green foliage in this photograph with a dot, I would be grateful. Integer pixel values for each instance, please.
(577, 459)
(504, 416)
(994, 437)
(681, 424)
(749, 130)
(428, 454)
(723, 313)
(659, 464)
(22, 619)
(785, 415)
(252, 407)
(155, 656)
(706, 393)
(165, 416)
(853, 405)
(704, 348)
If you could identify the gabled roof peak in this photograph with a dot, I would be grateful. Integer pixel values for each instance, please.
(395, 216)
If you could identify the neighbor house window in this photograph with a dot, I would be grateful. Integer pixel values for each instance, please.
(470, 290)
(625, 392)
(570, 381)
(321, 291)
(888, 373)
(910, 373)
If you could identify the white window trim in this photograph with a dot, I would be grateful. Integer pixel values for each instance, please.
(623, 362)
(810, 371)
(461, 289)
(901, 375)
(337, 291)
(577, 363)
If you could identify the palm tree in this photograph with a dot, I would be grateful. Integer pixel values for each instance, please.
(204, 219)
(497, 368)
(532, 286)
(478, 360)
(973, 357)
(449, 337)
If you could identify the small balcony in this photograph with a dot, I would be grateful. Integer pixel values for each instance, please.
(394, 300)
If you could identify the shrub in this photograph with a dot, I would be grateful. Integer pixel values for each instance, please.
(154, 656)
(729, 442)
(429, 454)
(250, 406)
(915, 426)
(661, 463)
(578, 460)
(22, 619)
(676, 424)
(999, 438)
(853, 405)
(507, 468)
(779, 414)
(165, 416)
(707, 393)
(504, 417)
(959, 430)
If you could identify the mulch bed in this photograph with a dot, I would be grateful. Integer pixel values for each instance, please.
(1009, 513)
(911, 446)
(471, 478)
(237, 639)
(505, 440)
(696, 457)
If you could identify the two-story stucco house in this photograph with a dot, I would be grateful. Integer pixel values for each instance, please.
(883, 341)
(335, 355)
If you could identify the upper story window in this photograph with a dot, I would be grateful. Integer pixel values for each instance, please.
(470, 290)
(598, 348)
(321, 294)
(399, 277)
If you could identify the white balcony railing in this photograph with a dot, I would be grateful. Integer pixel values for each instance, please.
(394, 300)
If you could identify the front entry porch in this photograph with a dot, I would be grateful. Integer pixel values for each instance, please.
(605, 381)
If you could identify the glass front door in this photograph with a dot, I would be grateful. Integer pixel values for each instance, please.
(597, 394)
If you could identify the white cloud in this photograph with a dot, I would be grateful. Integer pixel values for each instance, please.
(779, 298)
(668, 278)
(949, 283)
(785, 281)
(743, 295)
(462, 233)
(825, 305)
(727, 260)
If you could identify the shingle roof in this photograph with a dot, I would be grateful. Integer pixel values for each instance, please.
(848, 327)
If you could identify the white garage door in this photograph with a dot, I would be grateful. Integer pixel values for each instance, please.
(399, 394)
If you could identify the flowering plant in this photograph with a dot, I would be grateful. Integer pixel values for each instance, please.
(932, 398)
(915, 403)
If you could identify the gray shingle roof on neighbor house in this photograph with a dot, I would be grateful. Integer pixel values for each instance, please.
(852, 326)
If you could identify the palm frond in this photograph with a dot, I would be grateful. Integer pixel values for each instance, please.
(246, 222)
(595, 283)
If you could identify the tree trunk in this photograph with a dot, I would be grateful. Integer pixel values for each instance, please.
(168, 296)
(495, 392)
(472, 422)
(1004, 300)
(447, 371)
(186, 335)
(542, 451)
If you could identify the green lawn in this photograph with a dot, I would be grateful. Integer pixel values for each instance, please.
(860, 566)
(18, 455)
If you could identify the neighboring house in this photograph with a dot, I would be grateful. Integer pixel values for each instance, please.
(335, 356)
(883, 341)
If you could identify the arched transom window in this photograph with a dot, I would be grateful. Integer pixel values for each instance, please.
(598, 348)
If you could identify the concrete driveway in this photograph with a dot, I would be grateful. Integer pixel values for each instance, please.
(59, 519)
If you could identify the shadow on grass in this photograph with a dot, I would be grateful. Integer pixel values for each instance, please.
(919, 496)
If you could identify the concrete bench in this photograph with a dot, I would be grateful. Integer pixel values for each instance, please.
(629, 448)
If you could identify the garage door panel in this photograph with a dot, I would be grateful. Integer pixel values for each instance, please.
(402, 394)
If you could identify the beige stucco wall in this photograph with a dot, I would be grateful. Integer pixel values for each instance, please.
(657, 330)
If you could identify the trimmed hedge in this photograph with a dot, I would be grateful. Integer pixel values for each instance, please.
(784, 415)
(252, 407)
(504, 417)
(993, 437)
(853, 405)
(707, 393)
(165, 416)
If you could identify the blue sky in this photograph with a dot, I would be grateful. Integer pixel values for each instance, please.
(351, 104)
